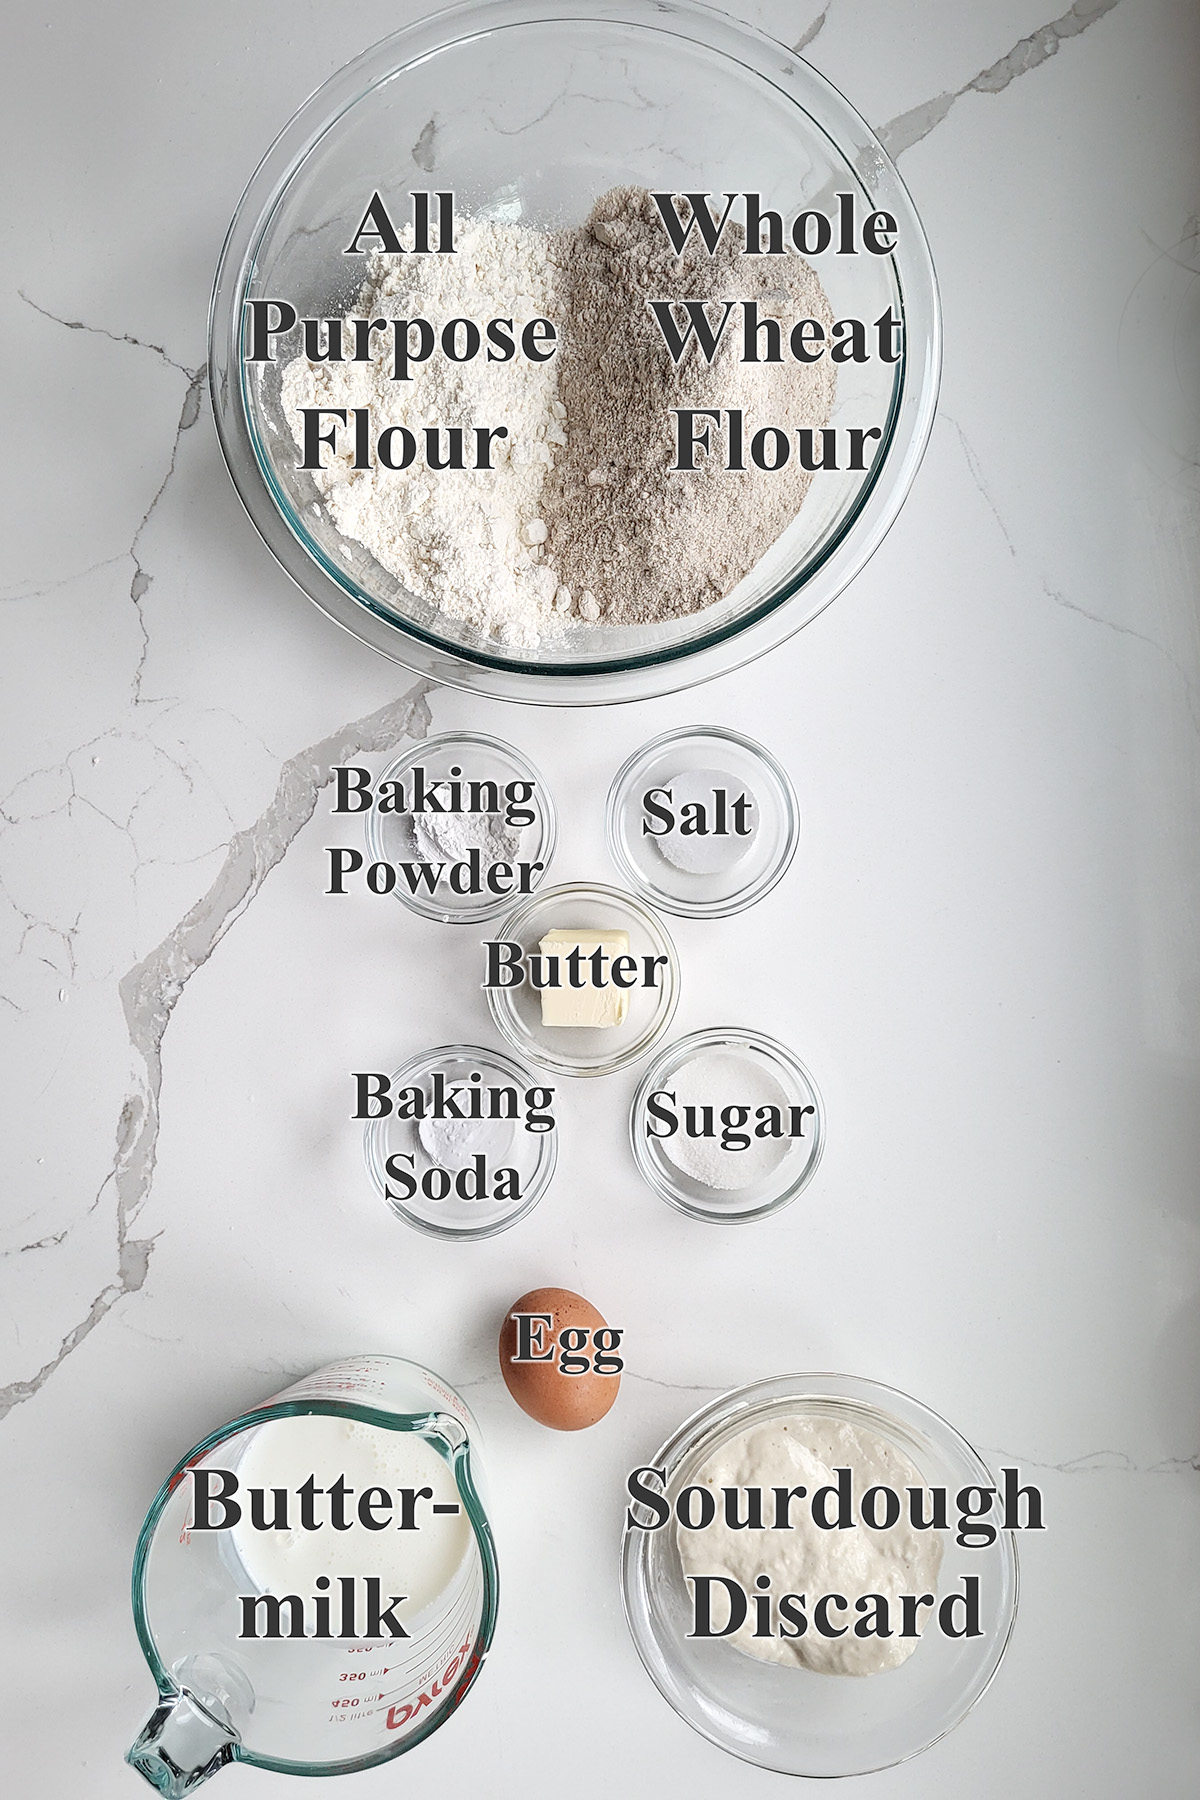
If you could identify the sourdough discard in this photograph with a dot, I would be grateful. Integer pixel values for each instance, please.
(805, 1452)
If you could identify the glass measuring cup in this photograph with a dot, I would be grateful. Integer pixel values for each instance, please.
(312, 1704)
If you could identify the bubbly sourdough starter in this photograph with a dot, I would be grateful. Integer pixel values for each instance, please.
(805, 1452)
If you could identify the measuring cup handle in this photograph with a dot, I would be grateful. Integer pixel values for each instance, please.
(181, 1745)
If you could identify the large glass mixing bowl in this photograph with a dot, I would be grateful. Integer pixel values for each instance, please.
(529, 110)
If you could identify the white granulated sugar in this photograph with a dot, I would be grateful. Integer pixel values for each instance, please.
(717, 1079)
(470, 541)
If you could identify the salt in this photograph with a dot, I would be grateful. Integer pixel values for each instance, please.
(706, 855)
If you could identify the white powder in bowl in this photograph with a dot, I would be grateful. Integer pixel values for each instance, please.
(448, 837)
(706, 1085)
(708, 854)
(454, 1143)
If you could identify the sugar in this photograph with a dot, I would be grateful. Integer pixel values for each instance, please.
(717, 1079)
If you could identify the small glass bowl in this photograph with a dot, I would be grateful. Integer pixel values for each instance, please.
(772, 1191)
(752, 770)
(587, 1050)
(390, 835)
(792, 1719)
(532, 1154)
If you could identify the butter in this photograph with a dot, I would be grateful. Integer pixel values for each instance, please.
(602, 1003)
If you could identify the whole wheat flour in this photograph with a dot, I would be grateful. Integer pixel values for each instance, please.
(648, 543)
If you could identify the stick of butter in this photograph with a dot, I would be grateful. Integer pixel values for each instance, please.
(588, 1005)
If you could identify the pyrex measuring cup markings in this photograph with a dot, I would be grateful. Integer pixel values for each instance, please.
(288, 1705)
(419, 1679)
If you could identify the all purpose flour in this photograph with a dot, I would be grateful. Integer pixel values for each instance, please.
(466, 540)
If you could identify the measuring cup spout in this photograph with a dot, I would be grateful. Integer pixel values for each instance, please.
(181, 1744)
(213, 1599)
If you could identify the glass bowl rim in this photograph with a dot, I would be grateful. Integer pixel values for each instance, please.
(744, 1401)
(570, 890)
(543, 1174)
(722, 908)
(713, 1037)
(547, 809)
(876, 504)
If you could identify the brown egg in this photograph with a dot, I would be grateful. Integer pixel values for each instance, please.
(564, 1402)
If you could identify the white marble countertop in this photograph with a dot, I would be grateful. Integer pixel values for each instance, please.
(993, 920)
